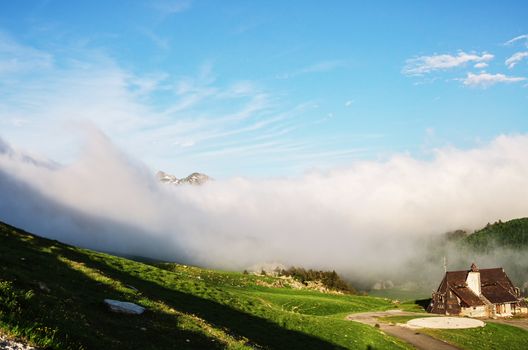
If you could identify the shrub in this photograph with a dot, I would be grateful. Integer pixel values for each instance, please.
(330, 279)
(12, 301)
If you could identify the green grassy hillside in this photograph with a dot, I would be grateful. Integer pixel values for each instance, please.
(52, 295)
(510, 234)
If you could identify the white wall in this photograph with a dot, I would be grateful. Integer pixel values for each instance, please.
(473, 282)
(478, 311)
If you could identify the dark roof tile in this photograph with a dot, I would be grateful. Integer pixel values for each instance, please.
(498, 294)
(467, 296)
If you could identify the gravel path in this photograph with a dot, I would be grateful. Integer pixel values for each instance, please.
(13, 345)
(412, 336)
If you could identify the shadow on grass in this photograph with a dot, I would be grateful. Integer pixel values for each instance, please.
(260, 332)
(423, 303)
(81, 320)
(66, 310)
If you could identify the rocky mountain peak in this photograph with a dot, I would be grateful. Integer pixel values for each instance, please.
(193, 179)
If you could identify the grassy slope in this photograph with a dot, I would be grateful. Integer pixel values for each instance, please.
(490, 337)
(401, 294)
(188, 308)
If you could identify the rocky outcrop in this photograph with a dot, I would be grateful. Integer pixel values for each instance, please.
(9, 344)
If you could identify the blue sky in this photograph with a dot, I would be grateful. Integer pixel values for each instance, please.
(262, 88)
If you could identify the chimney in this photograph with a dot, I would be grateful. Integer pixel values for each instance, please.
(473, 280)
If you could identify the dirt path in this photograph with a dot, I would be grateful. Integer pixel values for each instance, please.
(412, 336)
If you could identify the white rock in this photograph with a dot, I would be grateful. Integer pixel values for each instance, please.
(8, 344)
(124, 307)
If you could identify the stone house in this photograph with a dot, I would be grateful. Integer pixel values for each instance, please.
(477, 293)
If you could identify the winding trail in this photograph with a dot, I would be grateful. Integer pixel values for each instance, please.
(412, 336)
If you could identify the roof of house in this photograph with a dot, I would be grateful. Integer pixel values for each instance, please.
(498, 294)
(495, 286)
(467, 296)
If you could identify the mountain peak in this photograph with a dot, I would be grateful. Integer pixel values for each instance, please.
(193, 179)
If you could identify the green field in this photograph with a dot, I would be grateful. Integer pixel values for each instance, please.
(400, 294)
(188, 307)
(490, 337)
(51, 295)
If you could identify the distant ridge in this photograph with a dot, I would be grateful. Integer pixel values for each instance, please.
(193, 179)
(510, 234)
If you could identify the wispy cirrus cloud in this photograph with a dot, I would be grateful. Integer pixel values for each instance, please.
(159, 41)
(426, 64)
(319, 67)
(516, 58)
(18, 58)
(165, 120)
(523, 37)
(485, 80)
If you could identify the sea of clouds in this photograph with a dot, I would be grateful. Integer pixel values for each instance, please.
(372, 219)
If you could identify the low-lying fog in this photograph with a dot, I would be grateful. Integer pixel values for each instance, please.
(371, 220)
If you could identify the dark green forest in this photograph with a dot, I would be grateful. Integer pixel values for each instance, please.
(511, 234)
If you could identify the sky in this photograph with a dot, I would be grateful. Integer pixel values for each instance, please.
(262, 88)
(335, 132)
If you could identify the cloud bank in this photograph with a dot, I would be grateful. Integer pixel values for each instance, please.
(370, 218)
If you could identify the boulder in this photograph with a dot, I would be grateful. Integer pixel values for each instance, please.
(124, 307)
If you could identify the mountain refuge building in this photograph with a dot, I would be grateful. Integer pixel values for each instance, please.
(477, 293)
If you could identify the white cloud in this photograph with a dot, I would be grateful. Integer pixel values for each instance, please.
(426, 64)
(523, 37)
(485, 80)
(481, 65)
(349, 103)
(344, 219)
(516, 58)
(162, 119)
